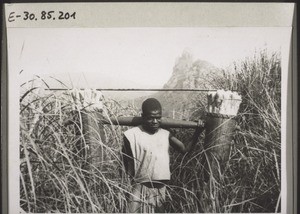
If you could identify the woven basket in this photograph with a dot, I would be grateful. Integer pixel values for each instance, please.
(218, 139)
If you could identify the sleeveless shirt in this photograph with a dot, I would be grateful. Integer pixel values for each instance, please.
(150, 154)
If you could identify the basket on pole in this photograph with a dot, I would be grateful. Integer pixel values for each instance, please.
(220, 126)
(88, 107)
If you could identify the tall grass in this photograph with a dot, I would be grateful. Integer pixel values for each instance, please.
(251, 179)
(57, 170)
(258, 147)
(62, 172)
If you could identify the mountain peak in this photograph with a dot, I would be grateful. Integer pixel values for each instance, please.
(190, 74)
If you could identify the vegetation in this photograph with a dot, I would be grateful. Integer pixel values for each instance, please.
(62, 172)
(251, 180)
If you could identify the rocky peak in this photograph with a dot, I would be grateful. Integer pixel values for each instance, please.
(188, 73)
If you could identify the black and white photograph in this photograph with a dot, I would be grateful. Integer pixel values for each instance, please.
(148, 119)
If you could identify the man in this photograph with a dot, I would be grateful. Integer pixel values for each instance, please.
(146, 158)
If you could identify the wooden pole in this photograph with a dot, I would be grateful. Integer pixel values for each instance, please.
(136, 121)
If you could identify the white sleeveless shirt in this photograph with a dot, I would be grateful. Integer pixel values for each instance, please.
(150, 154)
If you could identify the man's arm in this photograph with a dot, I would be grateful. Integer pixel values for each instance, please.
(180, 147)
(128, 158)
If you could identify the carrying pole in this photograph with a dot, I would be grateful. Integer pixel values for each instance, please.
(136, 121)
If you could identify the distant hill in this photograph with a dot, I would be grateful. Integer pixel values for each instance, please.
(187, 74)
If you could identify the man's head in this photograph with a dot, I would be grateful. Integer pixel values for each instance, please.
(151, 113)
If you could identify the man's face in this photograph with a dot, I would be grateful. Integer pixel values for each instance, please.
(152, 120)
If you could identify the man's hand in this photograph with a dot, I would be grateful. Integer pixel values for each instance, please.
(200, 126)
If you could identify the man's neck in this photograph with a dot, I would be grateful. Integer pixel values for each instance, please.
(149, 131)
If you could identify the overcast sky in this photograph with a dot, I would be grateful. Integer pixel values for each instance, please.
(129, 57)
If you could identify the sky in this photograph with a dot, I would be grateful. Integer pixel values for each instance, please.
(129, 57)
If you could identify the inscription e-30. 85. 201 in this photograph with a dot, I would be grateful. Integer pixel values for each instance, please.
(43, 15)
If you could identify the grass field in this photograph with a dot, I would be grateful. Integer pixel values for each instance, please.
(61, 171)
